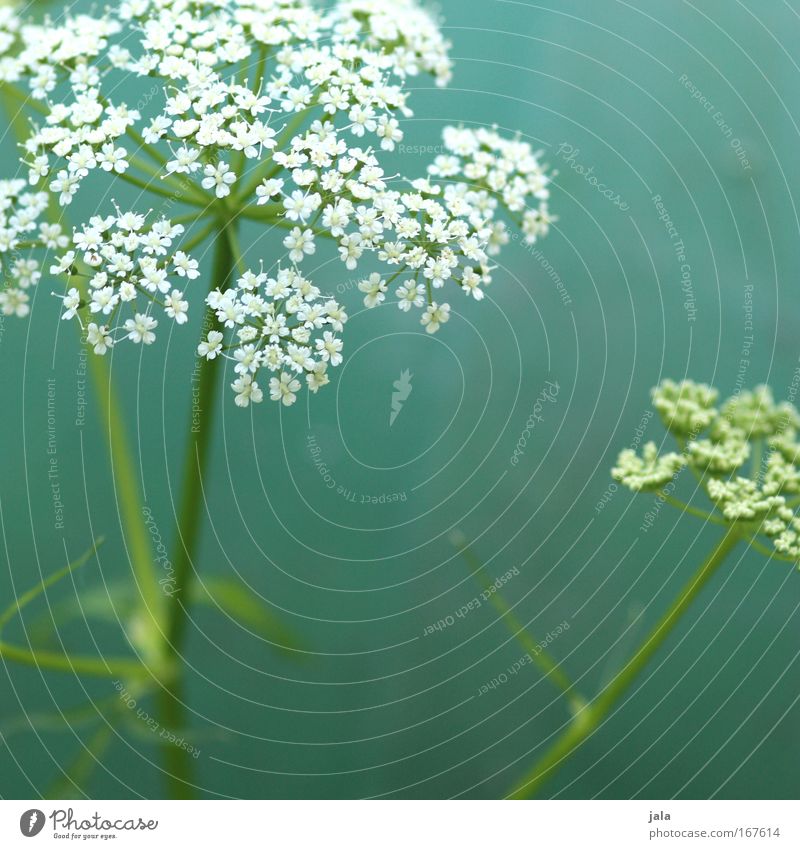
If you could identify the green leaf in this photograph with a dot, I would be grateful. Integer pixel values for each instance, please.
(234, 598)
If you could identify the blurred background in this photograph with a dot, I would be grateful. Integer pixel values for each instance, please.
(674, 132)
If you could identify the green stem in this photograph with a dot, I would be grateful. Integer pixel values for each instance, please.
(267, 213)
(769, 553)
(178, 762)
(126, 487)
(588, 720)
(156, 189)
(757, 459)
(102, 667)
(75, 778)
(23, 98)
(694, 511)
(26, 598)
(200, 237)
(171, 182)
(237, 255)
(261, 68)
(151, 151)
(189, 217)
(547, 664)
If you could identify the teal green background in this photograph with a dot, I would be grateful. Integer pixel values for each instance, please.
(373, 707)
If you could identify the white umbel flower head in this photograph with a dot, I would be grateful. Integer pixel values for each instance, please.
(274, 112)
(131, 273)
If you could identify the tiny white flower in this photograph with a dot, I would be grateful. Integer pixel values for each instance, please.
(211, 346)
(284, 389)
(63, 265)
(71, 302)
(318, 378)
(267, 190)
(435, 316)
(98, 337)
(112, 158)
(66, 185)
(140, 329)
(156, 129)
(185, 266)
(104, 300)
(246, 390)
(176, 307)
(299, 206)
(299, 243)
(184, 161)
(329, 348)
(374, 288)
(220, 178)
(410, 295)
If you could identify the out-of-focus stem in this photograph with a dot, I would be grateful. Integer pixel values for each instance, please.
(587, 721)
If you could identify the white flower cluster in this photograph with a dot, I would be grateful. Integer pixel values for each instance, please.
(274, 111)
(648, 472)
(79, 134)
(130, 269)
(717, 443)
(495, 167)
(686, 408)
(20, 231)
(281, 324)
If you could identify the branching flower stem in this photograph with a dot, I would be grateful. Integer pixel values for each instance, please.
(178, 762)
(591, 717)
(163, 627)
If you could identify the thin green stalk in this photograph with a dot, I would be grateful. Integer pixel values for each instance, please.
(156, 189)
(102, 667)
(283, 223)
(237, 255)
(266, 213)
(178, 762)
(687, 508)
(588, 720)
(190, 217)
(165, 179)
(757, 459)
(769, 553)
(261, 68)
(27, 597)
(53, 660)
(82, 716)
(272, 214)
(541, 658)
(76, 776)
(25, 99)
(151, 151)
(201, 236)
(126, 486)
